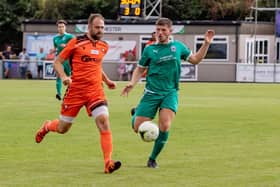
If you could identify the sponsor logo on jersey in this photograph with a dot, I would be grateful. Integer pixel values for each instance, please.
(94, 52)
(173, 48)
(86, 58)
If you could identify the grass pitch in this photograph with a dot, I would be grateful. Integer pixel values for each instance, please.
(223, 135)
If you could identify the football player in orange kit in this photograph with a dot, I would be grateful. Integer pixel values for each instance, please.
(85, 54)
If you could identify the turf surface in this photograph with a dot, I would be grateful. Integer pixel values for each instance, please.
(223, 135)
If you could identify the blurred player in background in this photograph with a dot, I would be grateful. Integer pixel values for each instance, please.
(59, 42)
(152, 40)
(163, 61)
(85, 87)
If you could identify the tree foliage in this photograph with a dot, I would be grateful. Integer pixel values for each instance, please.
(12, 12)
(207, 9)
(73, 9)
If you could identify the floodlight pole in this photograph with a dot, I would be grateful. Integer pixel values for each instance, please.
(152, 9)
(276, 8)
(255, 40)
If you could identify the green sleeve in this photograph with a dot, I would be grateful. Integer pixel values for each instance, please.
(54, 44)
(145, 59)
(70, 36)
(185, 51)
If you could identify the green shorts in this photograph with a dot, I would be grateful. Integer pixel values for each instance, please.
(150, 103)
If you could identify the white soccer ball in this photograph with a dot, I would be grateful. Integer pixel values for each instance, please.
(148, 131)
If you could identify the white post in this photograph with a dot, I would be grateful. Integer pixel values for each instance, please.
(255, 40)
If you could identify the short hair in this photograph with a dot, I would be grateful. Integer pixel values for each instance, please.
(61, 21)
(164, 21)
(93, 16)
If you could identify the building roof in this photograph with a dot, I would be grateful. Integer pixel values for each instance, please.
(138, 22)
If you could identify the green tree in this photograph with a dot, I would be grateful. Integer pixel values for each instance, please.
(182, 10)
(73, 9)
(215, 9)
(266, 15)
(12, 13)
(207, 9)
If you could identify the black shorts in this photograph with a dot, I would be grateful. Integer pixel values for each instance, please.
(40, 68)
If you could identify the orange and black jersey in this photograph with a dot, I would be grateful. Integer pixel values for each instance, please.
(85, 58)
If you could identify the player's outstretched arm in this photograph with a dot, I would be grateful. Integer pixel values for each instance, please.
(137, 73)
(201, 53)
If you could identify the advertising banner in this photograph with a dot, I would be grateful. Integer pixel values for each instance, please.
(258, 73)
(244, 72)
(188, 72)
(117, 47)
(82, 28)
(264, 73)
(48, 70)
(34, 42)
(277, 73)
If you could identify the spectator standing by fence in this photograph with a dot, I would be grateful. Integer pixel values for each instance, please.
(121, 66)
(23, 63)
(8, 54)
(51, 55)
(40, 57)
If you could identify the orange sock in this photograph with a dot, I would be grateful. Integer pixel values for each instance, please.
(53, 125)
(106, 145)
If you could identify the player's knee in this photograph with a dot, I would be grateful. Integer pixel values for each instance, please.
(101, 119)
(64, 125)
(164, 125)
(102, 122)
(62, 129)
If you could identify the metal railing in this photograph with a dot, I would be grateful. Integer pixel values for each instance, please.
(205, 71)
(20, 69)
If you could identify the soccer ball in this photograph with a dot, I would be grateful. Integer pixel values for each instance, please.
(148, 131)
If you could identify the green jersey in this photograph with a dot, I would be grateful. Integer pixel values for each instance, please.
(164, 66)
(59, 41)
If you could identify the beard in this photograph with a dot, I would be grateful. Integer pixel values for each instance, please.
(162, 39)
(96, 36)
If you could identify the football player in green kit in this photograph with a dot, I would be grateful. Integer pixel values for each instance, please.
(59, 42)
(163, 63)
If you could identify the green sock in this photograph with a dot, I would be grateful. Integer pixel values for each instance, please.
(159, 144)
(58, 86)
(132, 121)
